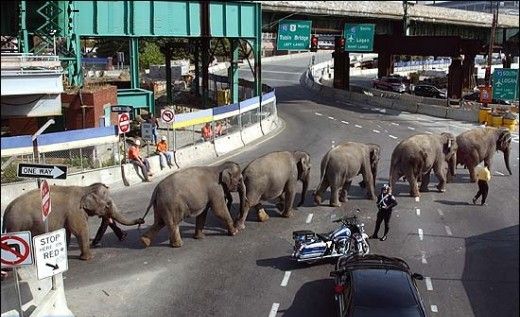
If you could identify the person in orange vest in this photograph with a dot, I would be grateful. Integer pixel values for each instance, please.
(134, 155)
(165, 156)
(483, 177)
(207, 132)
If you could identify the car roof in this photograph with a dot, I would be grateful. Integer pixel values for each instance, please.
(380, 291)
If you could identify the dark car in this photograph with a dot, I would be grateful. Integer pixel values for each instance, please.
(475, 96)
(375, 285)
(429, 91)
(392, 83)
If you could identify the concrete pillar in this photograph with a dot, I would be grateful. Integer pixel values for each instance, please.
(205, 44)
(506, 62)
(134, 62)
(233, 70)
(168, 63)
(468, 67)
(339, 69)
(196, 60)
(385, 64)
(455, 78)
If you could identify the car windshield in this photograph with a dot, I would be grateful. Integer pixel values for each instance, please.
(379, 288)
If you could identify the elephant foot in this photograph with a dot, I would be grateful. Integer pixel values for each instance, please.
(145, 241)
(317, 200)
(414, 194)
(86, 256)
(288, 214)
(232, 231)
(343, 198)
(280, 206)
(335, 205)
(199, 235)
(370, 196)
(424, 189)
(176, 244)
(240, 225)
(262, 215)
(441, 189)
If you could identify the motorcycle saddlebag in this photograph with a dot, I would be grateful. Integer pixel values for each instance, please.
(303, 235)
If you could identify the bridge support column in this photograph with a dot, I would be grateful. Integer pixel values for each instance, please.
(196, 60)
(205, 45)
(233, 70)
(134, 62)
(341, 70)
(506, 62)
(385, 64)
(168, 63)
(455, 78)
(468, 67)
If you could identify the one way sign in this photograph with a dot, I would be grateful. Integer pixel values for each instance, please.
(42, 171)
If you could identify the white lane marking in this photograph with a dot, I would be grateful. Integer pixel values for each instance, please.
(274, 310)
(286, 278)
(333, 216)
(411, 128)
(393, 137)
(429, 285)
(448, 230)
(428, 132)
(440, 212)
(332, 118)
(318, 114)
(358, 126)
(499, 173)
(420, 234)
(309, 218)
(345, 122)
(376, 131)
(393, 123)
(434, 308)
(416, 198)
(279, 72)
(423, 257)
(418, 211)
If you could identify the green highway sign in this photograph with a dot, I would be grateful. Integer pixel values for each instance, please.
(505, 84)
(359, 37)
(294, 35)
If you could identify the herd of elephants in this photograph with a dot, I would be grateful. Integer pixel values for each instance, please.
(191, 192)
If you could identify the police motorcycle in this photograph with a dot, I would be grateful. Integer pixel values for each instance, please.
(350, 238)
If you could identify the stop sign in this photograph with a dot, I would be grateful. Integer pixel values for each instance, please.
(123, 122)
(46, 199)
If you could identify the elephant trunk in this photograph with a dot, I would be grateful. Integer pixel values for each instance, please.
(507, 153)
(305, 182)
(117, 216)
(242, 193)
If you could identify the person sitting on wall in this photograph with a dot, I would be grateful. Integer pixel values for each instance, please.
(165, 156)
(207, 132)
(134, 156)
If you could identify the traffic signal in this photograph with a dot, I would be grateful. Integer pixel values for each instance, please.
(339, 44)
(314, 43)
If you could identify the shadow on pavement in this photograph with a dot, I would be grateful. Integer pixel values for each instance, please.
(314, 298)
(286, 263)
(453, 203)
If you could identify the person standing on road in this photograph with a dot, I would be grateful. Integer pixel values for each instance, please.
(134, 155)
(483, 177)
(105, 222)
(385, 203)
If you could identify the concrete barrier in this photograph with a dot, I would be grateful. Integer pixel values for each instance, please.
(462, 115)
(269, 124)
(432, 110)
(251, 133)
(405, 106)
(228, 143)
(195, 155)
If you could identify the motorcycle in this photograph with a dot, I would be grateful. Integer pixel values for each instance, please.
(350, 238)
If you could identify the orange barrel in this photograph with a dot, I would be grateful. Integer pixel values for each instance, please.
(483, 114)
(509, 124)
(496, 120)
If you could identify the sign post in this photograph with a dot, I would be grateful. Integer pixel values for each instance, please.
(359, 37)
(505, 84)
(294, 35)
(16, 251)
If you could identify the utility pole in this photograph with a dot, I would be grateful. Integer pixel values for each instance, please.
(406, 31)
(487, 77)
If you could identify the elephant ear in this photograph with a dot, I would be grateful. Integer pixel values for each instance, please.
(374, 153)
(448, 142)
(92, 203)
(225, 177)
(503, 139)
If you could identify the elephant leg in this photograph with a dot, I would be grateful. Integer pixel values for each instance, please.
(425, 180)
(368, 179)
(260, 211)
(199, 224)
(334, 196)
(437, 169)
(175, 233)
(68, 236)
(84, 244)
(320, 190)
(472, 175)
(280, 203)
(343, 194)
(289, 199)
(218, 205)
(412, 180)
(149, 235)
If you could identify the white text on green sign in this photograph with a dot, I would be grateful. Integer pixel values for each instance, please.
(294, 35)
(359, 37)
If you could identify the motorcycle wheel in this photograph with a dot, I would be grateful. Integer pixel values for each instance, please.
(366, 247)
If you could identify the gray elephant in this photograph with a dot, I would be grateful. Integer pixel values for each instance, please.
(71, 205)
(190, 193)
(274, 176)
(480, 144)
(343, 163)
(416, 156)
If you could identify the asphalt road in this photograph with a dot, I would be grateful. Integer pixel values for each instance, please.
(468, 253)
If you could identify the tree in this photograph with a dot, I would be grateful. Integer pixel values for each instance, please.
(150, 55)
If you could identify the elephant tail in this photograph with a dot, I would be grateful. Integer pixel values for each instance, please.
(152, 203)
(323, 167)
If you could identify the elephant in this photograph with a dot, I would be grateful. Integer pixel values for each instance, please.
(343, 163)
(272, 176)
(480, 144)
(416, 156)
(190, 193)
(71, 205)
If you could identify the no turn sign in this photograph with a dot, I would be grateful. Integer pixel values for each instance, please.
(123, 120)
(46, 199)
(167, 115)
(16, 249)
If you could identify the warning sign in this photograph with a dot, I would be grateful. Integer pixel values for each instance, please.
(123, 120)
(50, 251)
(46, 199)
(167, 115)
(16, 249)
